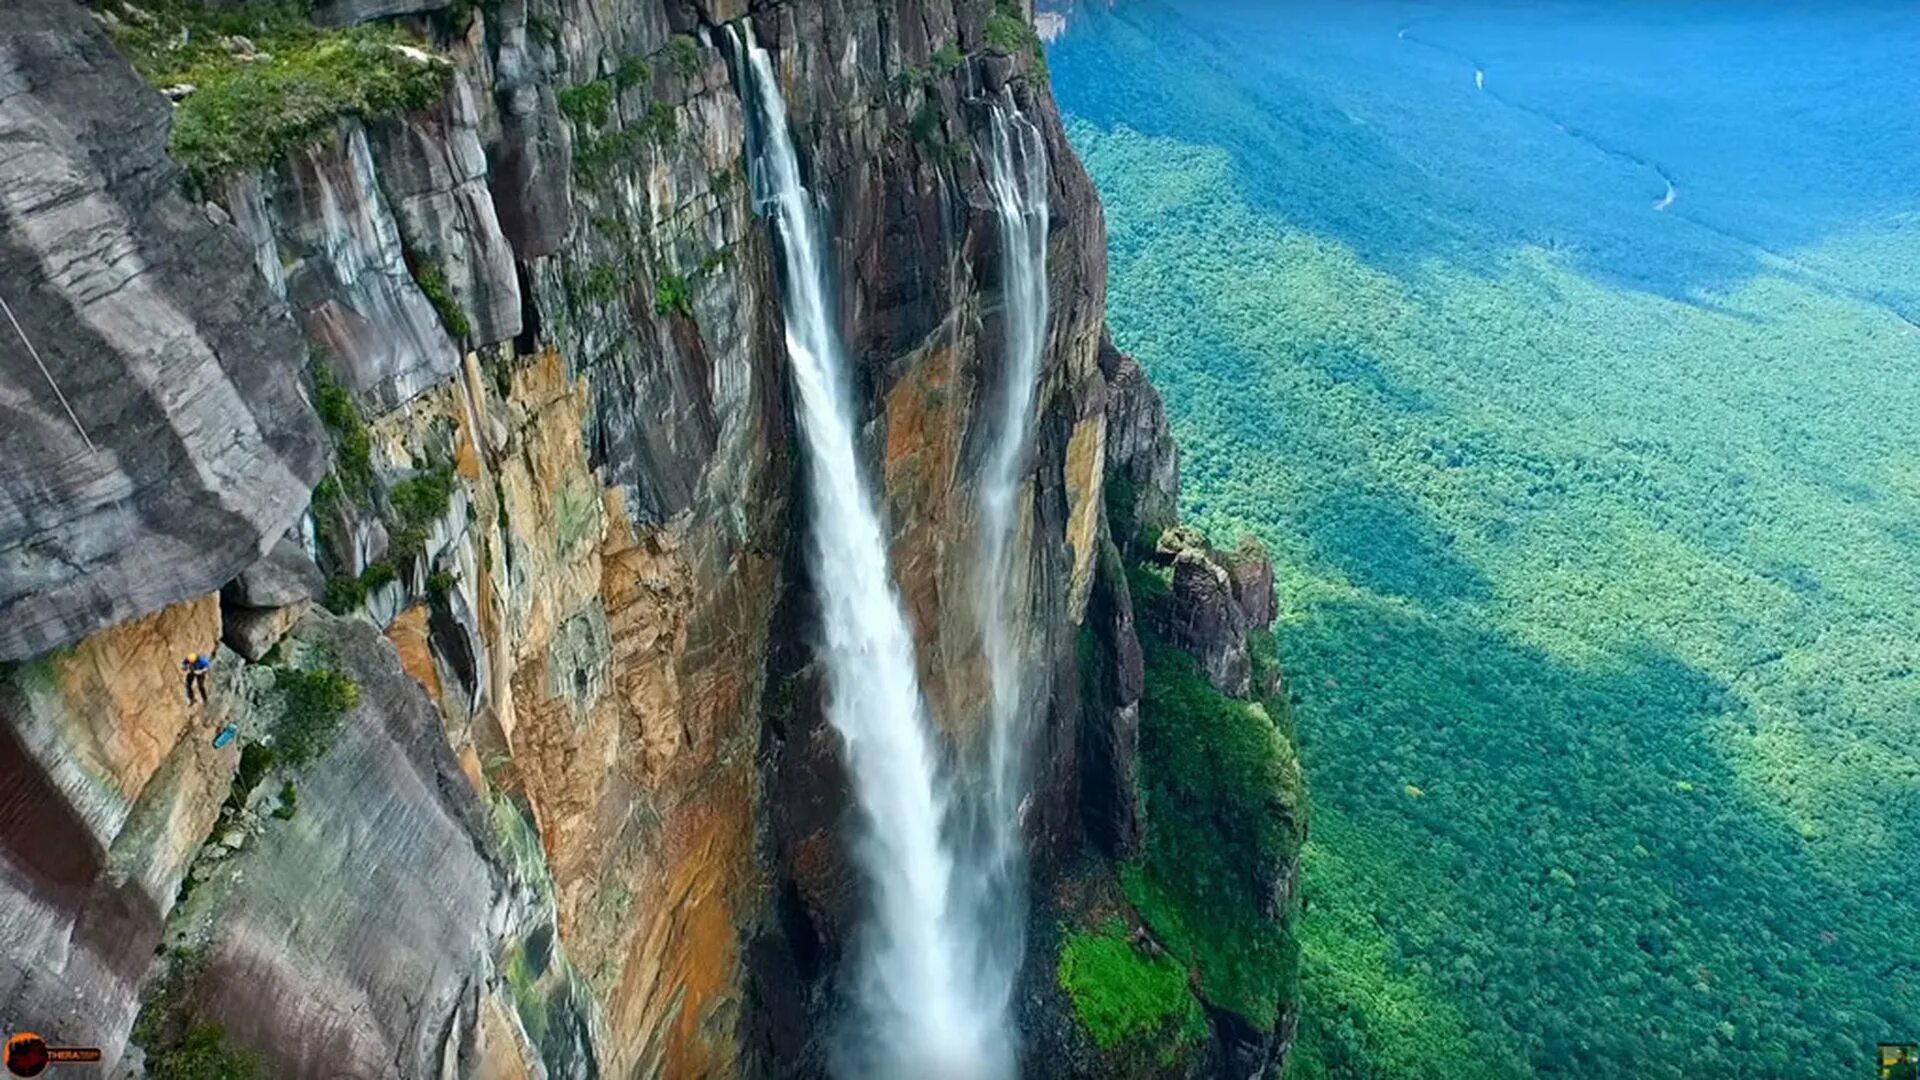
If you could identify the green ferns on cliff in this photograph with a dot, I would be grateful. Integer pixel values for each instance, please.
(260, 79)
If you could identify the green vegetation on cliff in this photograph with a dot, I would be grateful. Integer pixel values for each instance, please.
(202, 1055)
(177, 1046)
(1222, 813)
(1593, 527)
(1130, 1000)
(260, 78)
(1210, 893)
(312, 704)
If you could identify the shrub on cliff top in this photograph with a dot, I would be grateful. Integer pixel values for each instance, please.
(265, 79)
(1128, 999)
(311, 706)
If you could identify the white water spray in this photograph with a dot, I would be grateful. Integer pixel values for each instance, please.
(1016, 174)
(1016, 163)
(918, 1008)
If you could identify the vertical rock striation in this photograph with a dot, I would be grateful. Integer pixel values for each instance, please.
(584, 814)
(189, 444)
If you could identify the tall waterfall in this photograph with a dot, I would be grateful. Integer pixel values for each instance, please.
(1017, 179)
(1016, 173)
(918, 1010)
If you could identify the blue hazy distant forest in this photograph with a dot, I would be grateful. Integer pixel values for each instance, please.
(1596, 515)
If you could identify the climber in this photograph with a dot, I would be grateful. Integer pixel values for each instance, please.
(194, 668)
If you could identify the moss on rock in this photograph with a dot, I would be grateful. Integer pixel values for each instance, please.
(257, 80)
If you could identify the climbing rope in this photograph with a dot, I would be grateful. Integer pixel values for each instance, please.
(48, 375)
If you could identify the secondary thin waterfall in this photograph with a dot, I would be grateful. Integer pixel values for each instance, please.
(917, 1009)
(1016, 174)
(1017, 179)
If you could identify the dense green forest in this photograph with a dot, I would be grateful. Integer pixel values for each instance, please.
(1597, 526)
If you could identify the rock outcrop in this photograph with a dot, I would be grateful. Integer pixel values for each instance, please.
(584, 814)
(1142, 462)
(189, 446)
(356, 935)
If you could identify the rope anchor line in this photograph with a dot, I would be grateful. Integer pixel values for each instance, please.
(48, 375)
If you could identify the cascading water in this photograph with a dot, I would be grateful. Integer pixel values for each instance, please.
(1017, 179)
(1016, 173)
(919, 1012)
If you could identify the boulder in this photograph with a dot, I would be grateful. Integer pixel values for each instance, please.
(1252, 574)
(253, 632)
(1207, 622)
(285, 576)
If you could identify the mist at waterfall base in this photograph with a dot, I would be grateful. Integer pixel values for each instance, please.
(930, 987)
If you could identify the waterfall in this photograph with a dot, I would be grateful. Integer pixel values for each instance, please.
(1017, 179)
(1016, 174)
(916, 1007)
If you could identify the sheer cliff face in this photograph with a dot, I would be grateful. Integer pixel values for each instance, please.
(583, 815)
(197, 450)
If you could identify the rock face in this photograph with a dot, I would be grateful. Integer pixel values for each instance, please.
(285, 576)
(1112, 681)
(1207, 621)
(586, 816)
(346, 269)
(149, 318)
(108, 785)
(433, 173)
(388, 859)
(1142, 459)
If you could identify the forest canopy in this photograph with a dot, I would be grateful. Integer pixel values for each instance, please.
(1597, 526)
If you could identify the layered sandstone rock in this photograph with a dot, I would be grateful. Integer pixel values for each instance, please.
(189, 446)
(587, 816)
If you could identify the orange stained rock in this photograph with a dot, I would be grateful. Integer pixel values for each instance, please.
(501, 1055)
(470, 766)
(926, 416)
(408, 632)
(676, 1007)
(124, 700)
(1086, 468)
